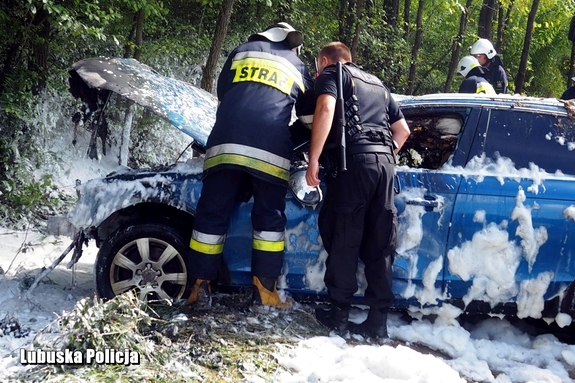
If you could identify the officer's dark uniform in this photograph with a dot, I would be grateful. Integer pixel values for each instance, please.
(496, 75)
(358, 219)
(250, 145)
(475, 82)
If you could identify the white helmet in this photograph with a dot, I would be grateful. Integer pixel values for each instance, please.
(483, 47)
(466, 64)
(283, 31)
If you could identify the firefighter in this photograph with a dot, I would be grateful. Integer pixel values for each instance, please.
(474, 75)
(249, 148)
(485, 53)
(358, 219)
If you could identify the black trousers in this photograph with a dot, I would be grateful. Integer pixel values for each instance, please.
(358, 220)
(219, 196)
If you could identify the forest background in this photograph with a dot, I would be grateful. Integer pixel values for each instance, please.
(412, 45)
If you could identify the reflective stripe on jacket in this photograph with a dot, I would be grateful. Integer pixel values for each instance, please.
(484, 87)
(475, 82)
(258, 87)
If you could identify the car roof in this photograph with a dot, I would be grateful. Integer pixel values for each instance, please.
(485, 100)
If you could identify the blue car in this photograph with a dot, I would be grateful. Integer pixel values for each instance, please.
(485, 193)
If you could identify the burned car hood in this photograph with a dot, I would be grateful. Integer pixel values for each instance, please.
(188, 108)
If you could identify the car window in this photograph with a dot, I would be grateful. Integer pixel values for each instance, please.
(432, 141)
(524, 137)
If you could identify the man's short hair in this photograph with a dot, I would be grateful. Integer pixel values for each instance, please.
(336, 51)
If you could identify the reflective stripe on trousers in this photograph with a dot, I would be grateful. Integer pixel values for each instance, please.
(268, 240)
(213, 213)
(207, 243)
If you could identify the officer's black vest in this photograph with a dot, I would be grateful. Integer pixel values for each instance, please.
(366, 109)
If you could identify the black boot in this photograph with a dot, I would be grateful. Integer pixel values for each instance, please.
(335, 318)
(375, 326)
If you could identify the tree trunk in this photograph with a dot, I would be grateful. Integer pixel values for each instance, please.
(125, 138)
(502, 24)
(209, 72)
(521, 73)
(38, 62)
(456, 46)
(128, 47)
(347, 20)
(571, 66)
(485, 23)
(571, 37)
(358, 19)
(391, 9)
(10, 59)
(416, 45)
(139, 34)
(406, 16)
(498, 43)
(128, 116)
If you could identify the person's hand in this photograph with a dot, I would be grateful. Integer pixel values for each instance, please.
(312, 173)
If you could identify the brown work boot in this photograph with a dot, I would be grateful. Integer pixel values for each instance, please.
(265, 293)
(336, 318)
(201, 293)
(375, 326)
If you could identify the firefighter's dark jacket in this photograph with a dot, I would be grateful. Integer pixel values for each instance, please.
(476, 82)
(376, 108)
(569, 94)
(496, 75)
(257, 88)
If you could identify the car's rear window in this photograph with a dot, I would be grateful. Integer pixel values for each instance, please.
(545, 140)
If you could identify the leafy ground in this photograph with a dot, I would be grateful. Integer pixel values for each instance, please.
(227, 341)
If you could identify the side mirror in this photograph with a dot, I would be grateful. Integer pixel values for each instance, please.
(305, 194)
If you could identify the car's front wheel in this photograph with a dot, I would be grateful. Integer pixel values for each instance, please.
(148, 258)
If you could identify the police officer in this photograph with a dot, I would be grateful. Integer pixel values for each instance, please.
(485, 53)
(358, 217)
(250, 145)
(474, 74)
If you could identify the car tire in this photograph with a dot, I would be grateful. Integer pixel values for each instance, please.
(149, 258)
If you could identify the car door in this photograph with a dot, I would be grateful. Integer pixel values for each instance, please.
(427, 186)
(512, 232)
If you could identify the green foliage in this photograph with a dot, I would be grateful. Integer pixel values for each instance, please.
(177, 38)
(116, 324)
(17, 95)
(24, 200)
(385, 56)
(176, 343)
(122, 323)
(27, 195)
